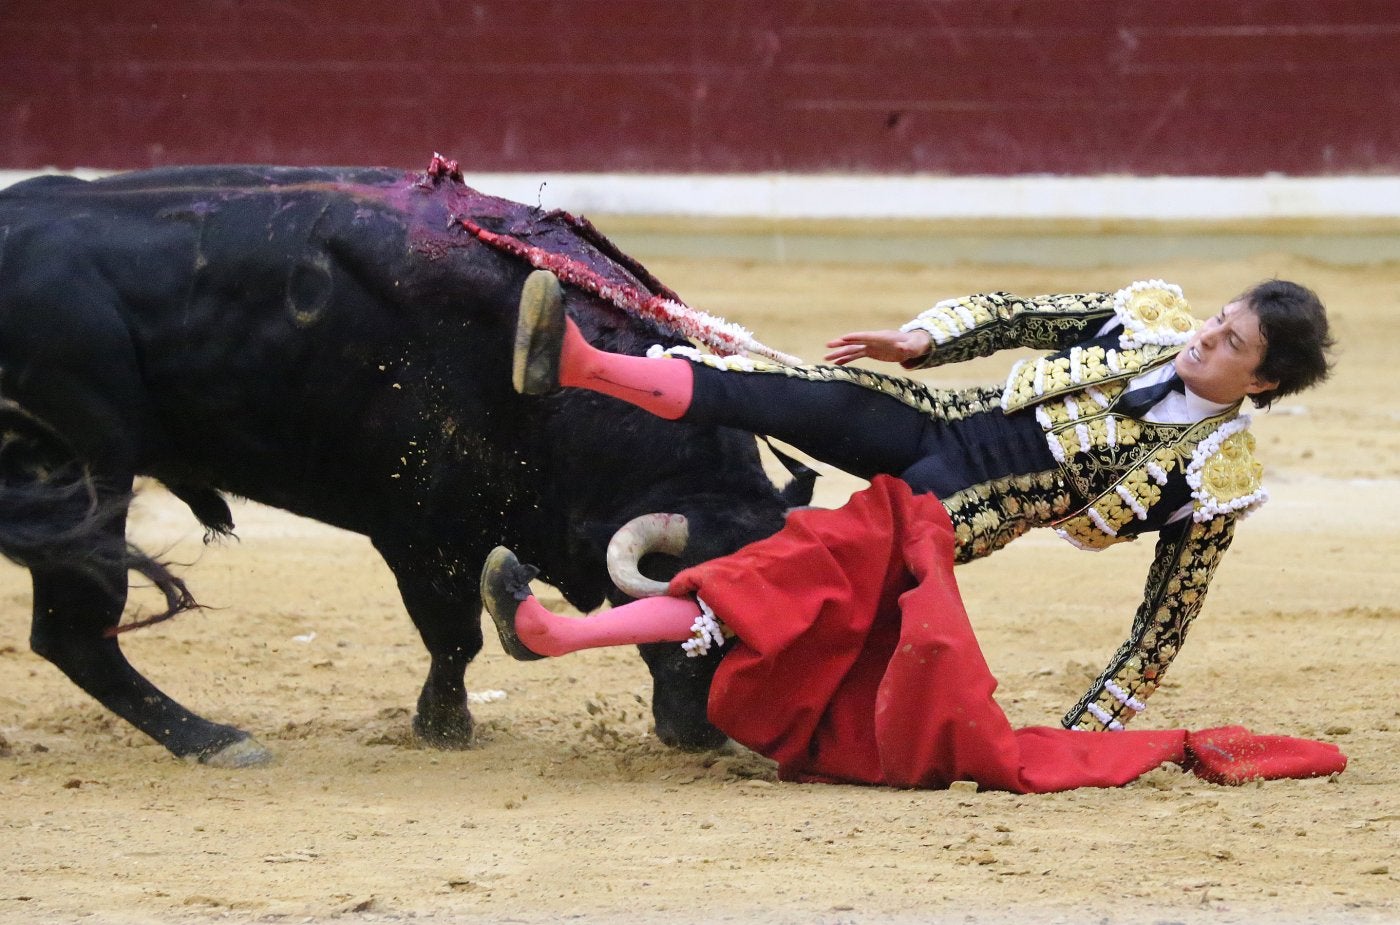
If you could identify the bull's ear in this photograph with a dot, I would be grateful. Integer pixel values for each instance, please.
(798, 492)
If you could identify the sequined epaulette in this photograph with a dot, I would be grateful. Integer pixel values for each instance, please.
(1224, 476)
(1154, 313)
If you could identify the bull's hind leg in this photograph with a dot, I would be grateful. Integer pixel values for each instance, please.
(450, 627)
(73, 610)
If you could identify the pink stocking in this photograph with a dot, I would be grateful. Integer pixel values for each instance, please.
(662, 386)
(651, 619)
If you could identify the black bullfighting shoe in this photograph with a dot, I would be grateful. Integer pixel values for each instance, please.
(539, 335)
(505, 582)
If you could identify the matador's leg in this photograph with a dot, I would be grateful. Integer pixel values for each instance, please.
(529, 631)
(853, 419)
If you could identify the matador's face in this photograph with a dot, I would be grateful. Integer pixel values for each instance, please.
(1220, 362)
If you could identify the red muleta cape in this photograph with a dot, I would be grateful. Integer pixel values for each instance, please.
(855, 662)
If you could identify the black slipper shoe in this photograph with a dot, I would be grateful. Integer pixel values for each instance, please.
(539, 335)
(505, 582)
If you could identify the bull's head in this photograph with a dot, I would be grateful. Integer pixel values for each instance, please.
(680, 682)
(642, 556)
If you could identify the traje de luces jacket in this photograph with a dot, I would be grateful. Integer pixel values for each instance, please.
(1190, 482)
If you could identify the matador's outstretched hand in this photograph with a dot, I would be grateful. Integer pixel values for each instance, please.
(889, 346)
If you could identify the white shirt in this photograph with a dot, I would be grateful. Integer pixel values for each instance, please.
(1174, 408)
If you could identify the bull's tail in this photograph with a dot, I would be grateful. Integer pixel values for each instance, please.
(53, 513)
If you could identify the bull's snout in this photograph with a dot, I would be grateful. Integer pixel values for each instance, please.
(691, 733)
(680, 694)
(701, 738)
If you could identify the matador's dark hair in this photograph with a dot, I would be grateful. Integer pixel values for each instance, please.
(1297, 341)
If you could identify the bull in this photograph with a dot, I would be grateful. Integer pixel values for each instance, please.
(335, 343)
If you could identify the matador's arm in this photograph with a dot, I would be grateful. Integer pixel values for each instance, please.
(979, 325)
(1187, 555)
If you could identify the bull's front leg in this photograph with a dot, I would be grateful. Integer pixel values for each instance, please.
(450, 627)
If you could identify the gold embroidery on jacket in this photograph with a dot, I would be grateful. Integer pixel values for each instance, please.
(991, 514)
(1176, 589)
(1039, 378)
(979, 325)
(1122, 465)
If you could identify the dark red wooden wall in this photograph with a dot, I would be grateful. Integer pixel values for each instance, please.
(1232, 87)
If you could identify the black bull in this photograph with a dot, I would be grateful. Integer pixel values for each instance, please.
(331, 342)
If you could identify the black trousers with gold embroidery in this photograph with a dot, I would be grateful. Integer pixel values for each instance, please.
(876, 425)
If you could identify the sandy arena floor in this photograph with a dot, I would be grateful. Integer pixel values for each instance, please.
(570, 809)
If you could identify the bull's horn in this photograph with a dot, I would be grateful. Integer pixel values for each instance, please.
(666, 533)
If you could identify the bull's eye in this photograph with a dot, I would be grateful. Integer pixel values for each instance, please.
(310, 286)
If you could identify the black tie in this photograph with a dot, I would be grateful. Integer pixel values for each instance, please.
(1137, 402)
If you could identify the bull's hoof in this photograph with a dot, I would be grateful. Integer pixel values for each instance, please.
(454, 732)
(245, 753)
(505, 582)
(539, 335)
(692, 740)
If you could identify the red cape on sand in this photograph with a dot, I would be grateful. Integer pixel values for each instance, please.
(855, 662)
